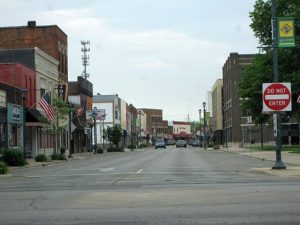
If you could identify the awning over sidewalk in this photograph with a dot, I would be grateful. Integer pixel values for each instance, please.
(34, 124)
(33, 115)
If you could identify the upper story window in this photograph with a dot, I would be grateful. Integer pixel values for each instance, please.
(42, 86)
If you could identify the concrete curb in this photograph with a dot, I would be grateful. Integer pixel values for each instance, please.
(292, 159)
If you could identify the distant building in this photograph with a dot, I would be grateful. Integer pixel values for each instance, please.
(116, 110)
(154, 128)
(132, 125)
(182, 130)
(141, 126)
(217, 118)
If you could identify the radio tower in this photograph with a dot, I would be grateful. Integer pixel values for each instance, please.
(85, 58)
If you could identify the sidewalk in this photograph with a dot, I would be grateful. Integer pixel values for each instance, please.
(76, 156)
(33, 163)
(291, 160)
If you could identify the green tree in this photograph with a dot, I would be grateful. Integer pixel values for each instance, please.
(250, 87)
(114, 134)
(61, 113)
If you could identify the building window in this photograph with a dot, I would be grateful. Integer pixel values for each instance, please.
(42, 86)
(116, 115)
(14, 137)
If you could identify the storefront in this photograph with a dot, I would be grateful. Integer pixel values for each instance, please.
(3, 136)
(15, 126)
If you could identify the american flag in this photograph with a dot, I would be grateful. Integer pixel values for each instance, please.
(44, 102)
(80, 111)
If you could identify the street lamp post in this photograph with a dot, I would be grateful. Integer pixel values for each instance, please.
(140, 127)
(70, 130)
(204, 130)
(199, 126)
(23, 96)
(94, 115)
(278, 164)
(103, 136)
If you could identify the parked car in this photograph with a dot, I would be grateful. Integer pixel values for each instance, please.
(160, 143)
(171, 142)
(180, 143)
(196, 143)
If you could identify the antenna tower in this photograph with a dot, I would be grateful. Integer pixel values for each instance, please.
(85, 58)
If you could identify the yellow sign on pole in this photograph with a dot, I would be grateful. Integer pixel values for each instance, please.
(286, 32)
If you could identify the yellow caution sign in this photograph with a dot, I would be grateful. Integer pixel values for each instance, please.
(286, 32)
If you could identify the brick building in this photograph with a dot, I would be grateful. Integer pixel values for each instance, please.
(154, 125)
(239, 130)
(21, 77)
(51, 39)
(232, 71)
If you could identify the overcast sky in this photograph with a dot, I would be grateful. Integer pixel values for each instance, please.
(163, 54)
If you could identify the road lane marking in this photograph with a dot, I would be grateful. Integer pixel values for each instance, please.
(106, 169)
(71, 180)
(139, 171)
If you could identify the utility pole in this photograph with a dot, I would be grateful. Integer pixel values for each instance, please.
(277, 116)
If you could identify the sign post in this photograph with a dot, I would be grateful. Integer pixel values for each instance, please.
(277, 98)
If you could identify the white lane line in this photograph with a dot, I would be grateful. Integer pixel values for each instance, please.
(106, 169)
(70, 180)
(139, 171)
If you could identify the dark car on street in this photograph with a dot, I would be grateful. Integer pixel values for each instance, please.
(181, 143)
(196, 143)
(160, 143)
(171, 142)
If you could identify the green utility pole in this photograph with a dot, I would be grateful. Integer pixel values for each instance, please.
(277, 116)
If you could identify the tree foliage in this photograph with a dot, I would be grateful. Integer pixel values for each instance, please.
(262, 14)
(114, 134)
(261, 71)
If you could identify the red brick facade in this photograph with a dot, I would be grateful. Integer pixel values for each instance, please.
(21, 77)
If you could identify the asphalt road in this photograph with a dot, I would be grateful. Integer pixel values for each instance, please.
(172, 186)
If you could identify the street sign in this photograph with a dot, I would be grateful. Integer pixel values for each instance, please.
(286, 32)
(277, 97)
(62, 91)
(73, 127)
(100, 113)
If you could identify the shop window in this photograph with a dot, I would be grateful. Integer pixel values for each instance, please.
(2, 136)
(14, 138)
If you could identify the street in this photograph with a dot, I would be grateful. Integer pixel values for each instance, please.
(165, 186)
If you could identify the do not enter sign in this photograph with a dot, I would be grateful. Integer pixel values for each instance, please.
(277, 97)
